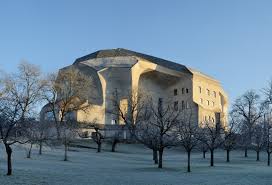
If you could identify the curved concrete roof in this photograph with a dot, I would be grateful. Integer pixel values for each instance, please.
(119, 52)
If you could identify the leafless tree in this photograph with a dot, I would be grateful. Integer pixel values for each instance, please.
(211, 136)
(248, 107)
(67, 134)
(188, 132)
(38, 133)
(148, 134)
(204, 149)
(230, 134)
(159, 130)
(115, 139)
(267, 139)
(258, 139)
(267, 120)
(22, 92)
(98, 137)
(67, 93)
(131, 111)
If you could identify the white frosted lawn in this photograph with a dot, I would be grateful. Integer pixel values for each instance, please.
(132, 165)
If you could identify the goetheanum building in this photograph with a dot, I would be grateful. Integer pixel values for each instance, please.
(126, 70)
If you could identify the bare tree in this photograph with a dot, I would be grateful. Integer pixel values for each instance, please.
(188, 132)
(230, 134)
(163, 121)
(211, 136)
(267, 138)
(97, 137)
(204, 149)
(67, 93)
(68, 132)
(248, 107)
(258, 139)
(115, 139)
(267, 120)
(38, 133)
(148, 134)
(136, 115)
(22, 92)
(131, 112)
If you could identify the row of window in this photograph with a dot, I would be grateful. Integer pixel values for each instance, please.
(208, 102)
(208, 92)
(183, 91)
(184, 105)
(209, 119)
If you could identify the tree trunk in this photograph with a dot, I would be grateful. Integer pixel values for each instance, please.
(189, 161)
(258, 155)
(204, 154)
(246, 153)
(98, 147)
(113, 146)
(155, 156)
(268, 158)
(212, 158)
(65, 151)
(228, 156)
(160, 158)
(40, 148)
(9, 152)
(29, 151)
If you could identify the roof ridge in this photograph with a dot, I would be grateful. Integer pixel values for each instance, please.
(125, 52)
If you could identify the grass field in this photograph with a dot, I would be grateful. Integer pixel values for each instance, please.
(132, 165)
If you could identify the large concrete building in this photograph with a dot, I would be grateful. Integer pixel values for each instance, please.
(125, 70)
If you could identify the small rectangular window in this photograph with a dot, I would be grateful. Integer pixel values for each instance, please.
(214, 94)
(176, 105)
(213, 104)
(208, 102)
(201, 100)
(183, 105)
(113, 122)
(208, 92)
(200, 89)
(182, 90)
(187, 91)
(175, 92)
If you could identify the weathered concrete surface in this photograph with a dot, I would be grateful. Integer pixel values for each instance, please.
(125, 70)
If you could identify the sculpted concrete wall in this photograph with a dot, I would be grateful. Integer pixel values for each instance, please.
(202, 94)
(211, 99)
(160, 82)
(115, 79)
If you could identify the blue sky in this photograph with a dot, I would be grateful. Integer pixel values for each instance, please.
(228, 39)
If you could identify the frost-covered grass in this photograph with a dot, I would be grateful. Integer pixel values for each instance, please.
(132, 165)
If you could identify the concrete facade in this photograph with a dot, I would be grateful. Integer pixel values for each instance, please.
(125, 70)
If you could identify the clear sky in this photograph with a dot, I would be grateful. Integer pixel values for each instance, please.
(230, 40)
